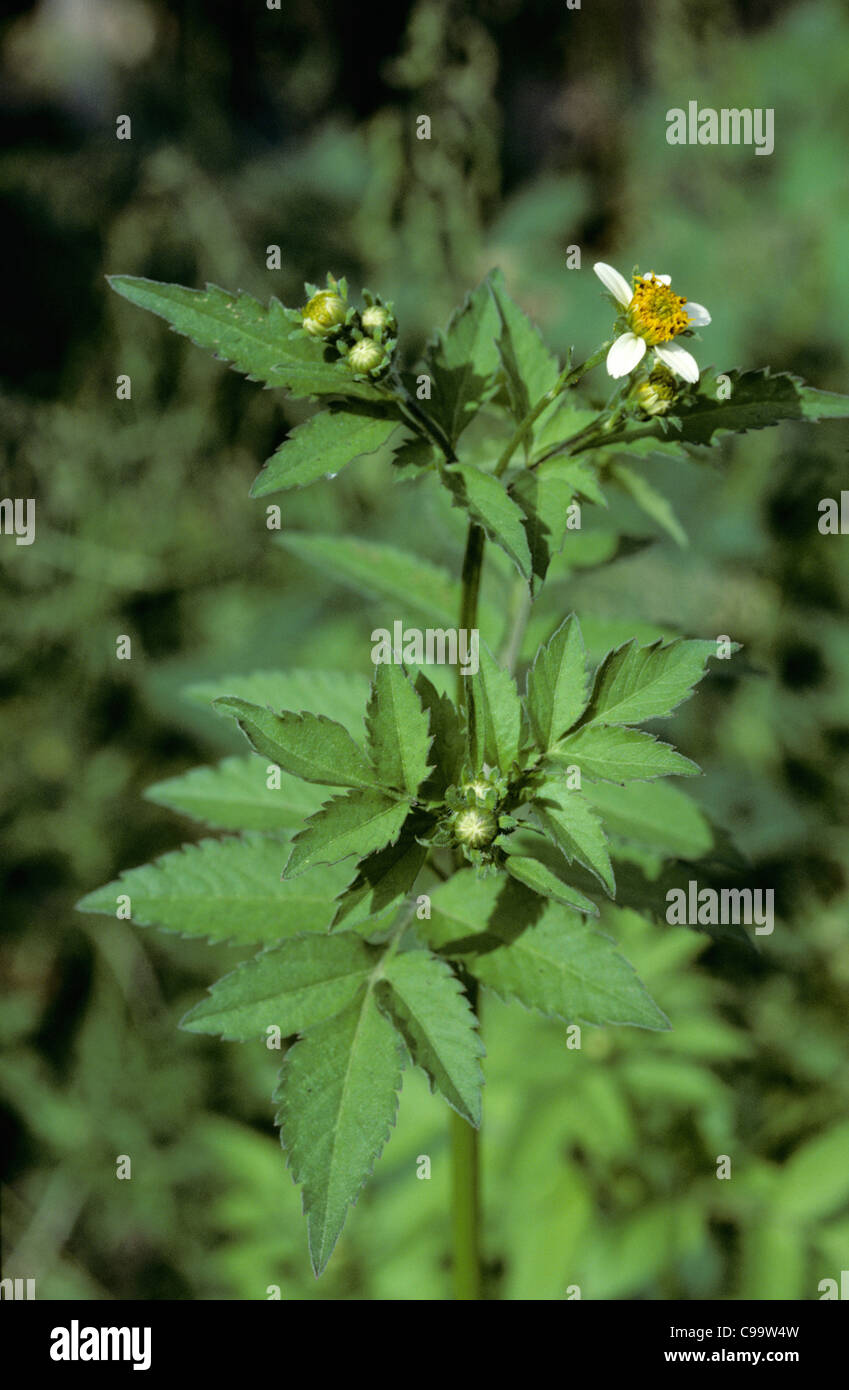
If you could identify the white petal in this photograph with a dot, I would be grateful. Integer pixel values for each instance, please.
(663, 279)
(614, 282)
(623, 357)
(678, 360)
(697, 314)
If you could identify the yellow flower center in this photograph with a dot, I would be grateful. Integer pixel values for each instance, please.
(656, 313)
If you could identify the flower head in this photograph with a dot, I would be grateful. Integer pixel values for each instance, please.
(475, 828)
(377, 319)
(656, 316)
(325, 313)
(658, 392)
(365, 355)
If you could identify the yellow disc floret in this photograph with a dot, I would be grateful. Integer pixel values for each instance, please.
(656, 313)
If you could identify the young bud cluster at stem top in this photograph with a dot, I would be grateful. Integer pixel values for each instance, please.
(364, 338)
(475, 817)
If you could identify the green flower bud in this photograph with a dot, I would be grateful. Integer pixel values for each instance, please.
(376, 319)
(657, 395)
(325, 312)
(365, 355)
(475, 827)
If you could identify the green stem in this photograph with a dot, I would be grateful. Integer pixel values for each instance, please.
(471, 583)
(465, 1152)
(465, 1188)
(570, 376)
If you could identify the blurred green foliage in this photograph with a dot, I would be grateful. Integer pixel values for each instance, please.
(298, 129)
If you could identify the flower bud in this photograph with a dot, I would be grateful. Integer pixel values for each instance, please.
(475, 827)
(657, 394)
(365, 355)
(377, 319)
(325, 312)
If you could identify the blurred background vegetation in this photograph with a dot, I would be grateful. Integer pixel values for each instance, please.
(253, 127)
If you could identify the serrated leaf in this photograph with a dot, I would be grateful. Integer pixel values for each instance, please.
(654, 814)
(337, 1097)
(306, 745)
(339, 695)
(293, 986)
(557, 684)
(360, 823)
(235, 795)
(650, 501)
(398, 730)
(618, 754)
(757, 400)
(322, 445)
(224, 890)
(575, 828)
(495, 715)
(487, 500)
(530, 370)
(448, 745)
(554, 964)
(254, 339)
(381, 880)
(544, 497)
(462, 362)
(541, 879)
(424, 999)
(635, 683)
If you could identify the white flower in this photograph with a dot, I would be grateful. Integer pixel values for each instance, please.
(656, 315)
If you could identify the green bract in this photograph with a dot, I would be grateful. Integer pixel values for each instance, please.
(395, 845)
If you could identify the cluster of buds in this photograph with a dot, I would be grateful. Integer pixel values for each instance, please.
(475, 818)
(364, 338)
